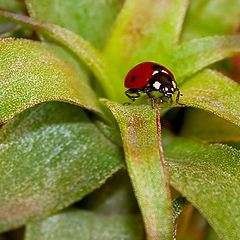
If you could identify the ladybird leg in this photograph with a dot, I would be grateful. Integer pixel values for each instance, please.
(177, 98)
(133, 98)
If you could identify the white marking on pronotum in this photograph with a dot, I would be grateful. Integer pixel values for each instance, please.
(155, 72)
(157, 85)
(172, 89)
(174, 84)
(164, 71)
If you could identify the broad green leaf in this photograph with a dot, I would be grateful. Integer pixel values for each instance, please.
(84, 50)
(51, 156)
(32, 73)
(208, 176)
(145, 30)
(114, 197)
(140, 129)
(78, 66)
(80, 224)
(190, 57)
(91, 19)
(214, 17)
(214, 92)
(201, 125)
(110, 132)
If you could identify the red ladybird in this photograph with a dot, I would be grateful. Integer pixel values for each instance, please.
(148, 77)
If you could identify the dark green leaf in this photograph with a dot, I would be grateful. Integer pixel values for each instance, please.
(201, 125)
(178, 205)
(10, 5)
(32, 73)
(208, 176)
(80, 224)
(144, 158)
(91, 19)
(214, 17)
(51, 156)
(211, 235)
(214, 92)
(114, 197)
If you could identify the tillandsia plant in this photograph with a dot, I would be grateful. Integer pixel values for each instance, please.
(182, 158)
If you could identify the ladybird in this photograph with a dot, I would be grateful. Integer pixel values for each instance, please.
(148, 77)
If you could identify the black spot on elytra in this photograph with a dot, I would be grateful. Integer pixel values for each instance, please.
(132, 78)
(157, 68)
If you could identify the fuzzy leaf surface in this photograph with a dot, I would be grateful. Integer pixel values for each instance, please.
(80, 224)
(208, 176)
(51, 156)
(81, 48)
(138, 126)
(213, 92)
(74, 14)
(190, 57)
(32, 73)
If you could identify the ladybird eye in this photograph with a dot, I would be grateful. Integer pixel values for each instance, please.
(132, 78)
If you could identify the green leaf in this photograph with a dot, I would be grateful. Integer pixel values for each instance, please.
(32, 73)
(201, 125)
(178, 205)
(145, 30)
(211, 235)
(110, 132)
(234, 144)
(114, 197)
(51, 156)
(80, 224)
(144, 159)
(14, 6)
(85, 51)
(91, 19)
(215, 17)
(213, 92)
(208, 176)
(190, 57)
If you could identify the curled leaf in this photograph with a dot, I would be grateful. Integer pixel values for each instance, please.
(32, 73)
(214, 92)
(85, 51)
(140, 130)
